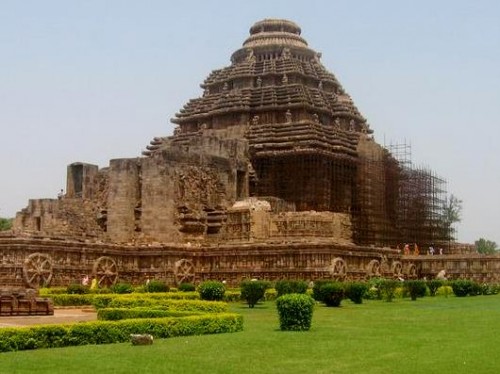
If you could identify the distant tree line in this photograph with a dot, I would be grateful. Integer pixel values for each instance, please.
(487, 247)
(6, 223)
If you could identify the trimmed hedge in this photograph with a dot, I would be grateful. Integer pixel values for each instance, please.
(115, 314)
(156, 286)
(167, 304)
(105, 332)
(295, 311)
(72, 300)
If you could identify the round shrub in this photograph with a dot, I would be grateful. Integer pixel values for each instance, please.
(295, 312)
(186, 287)
(211, 290)
(355, 291)
(415, 288)
(253, 291)
(316, 294)
(462, 287)
(433, 286)
(156, 286)
(284, 287)
(387, 289)
(122, 288)
(332, 293)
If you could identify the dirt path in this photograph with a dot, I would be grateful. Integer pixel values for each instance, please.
(60, 316)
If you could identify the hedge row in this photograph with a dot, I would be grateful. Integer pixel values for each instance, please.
(131, 301)
(115, 314)
(105, 332)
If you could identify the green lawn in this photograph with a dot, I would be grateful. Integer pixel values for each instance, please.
(431, 335)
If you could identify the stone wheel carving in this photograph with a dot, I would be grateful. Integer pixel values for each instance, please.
(338, 269)
(37, 270)
(411, 271)
(105, 271)
(373, 268)
(397, 269)
(184, 271)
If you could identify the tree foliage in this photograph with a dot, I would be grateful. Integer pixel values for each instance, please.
(452, 210)
(487, 247)
(5, 224)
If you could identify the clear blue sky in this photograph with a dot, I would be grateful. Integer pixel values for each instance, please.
(95, 80)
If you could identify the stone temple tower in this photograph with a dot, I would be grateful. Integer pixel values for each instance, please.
(306, 138)
(274, 127)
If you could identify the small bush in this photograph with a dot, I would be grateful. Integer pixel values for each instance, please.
(253, 291)
(186, 287)
(415, 288)
(122, 288)
(295, 312)
(462, 287)
(332, 293)
(284, 287)
(387, 289)
(211, 290)
(489, 289)
(76, 289)
(316, 294)
(156, 286)
(444, 290)
(433, 286)
(476, 289)
(270, 294)
(355, 291)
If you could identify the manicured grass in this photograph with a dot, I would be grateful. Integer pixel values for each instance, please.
(430, 335)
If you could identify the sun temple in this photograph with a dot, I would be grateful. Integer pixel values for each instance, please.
(272, 172)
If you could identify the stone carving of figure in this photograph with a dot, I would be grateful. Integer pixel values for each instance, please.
(259, 82)
(352, 125)
(255, 120)
(206, 92)
(315, 118)
(288, 116)
(286, 54)
(284, 80)
(337, 123)
(320, 85)
(225, 87)
(250, 55)
(202, 127)
(177, 130)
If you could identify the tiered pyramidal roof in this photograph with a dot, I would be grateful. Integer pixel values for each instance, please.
(278, 95)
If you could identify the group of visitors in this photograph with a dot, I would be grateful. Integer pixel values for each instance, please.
(416, 251)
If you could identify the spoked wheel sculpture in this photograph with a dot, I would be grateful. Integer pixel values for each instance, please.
(105, 271)
(37, 270)
(411, 271)
(397, 269)
(373, 269)
(184, 271)
(338, 269)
